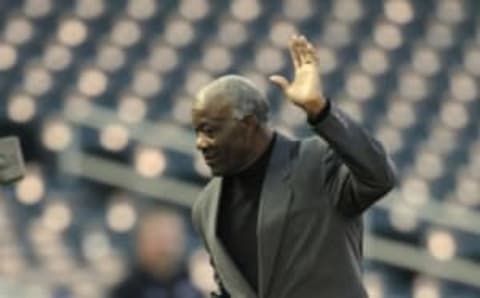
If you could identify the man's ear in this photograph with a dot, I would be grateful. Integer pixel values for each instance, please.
(250, 122)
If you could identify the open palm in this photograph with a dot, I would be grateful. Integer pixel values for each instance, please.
(306, 89)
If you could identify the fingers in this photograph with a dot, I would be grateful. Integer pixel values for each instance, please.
(311, 54)
(282, 82)
(294, 52)
(302, 51)
(302, 48)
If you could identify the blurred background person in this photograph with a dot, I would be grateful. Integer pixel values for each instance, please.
(158, 271)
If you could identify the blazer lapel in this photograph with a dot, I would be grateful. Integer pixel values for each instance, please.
(274, 203)
(225, 266)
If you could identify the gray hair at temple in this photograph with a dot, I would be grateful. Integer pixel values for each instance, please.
(245, 97)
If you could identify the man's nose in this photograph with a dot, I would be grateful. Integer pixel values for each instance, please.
(201, 142)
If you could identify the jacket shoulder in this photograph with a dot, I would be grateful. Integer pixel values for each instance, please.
(313, 149)
(205, 194)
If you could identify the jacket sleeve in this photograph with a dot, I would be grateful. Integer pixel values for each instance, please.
(357, 170)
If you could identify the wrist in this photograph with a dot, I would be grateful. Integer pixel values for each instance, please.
(315, 107)
(322, 114)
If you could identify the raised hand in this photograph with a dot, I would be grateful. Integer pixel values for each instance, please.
(306, 88)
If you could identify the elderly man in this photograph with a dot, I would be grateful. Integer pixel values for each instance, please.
(282, 218)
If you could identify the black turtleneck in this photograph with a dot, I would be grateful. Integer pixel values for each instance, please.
(237, 222)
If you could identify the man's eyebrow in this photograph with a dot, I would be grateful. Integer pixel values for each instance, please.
(205, 125)
(220, 118)
(214, 120)
(202, 125)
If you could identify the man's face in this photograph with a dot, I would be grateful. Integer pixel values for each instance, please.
(223, 140)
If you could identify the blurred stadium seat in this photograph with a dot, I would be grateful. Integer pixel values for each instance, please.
(99, 93)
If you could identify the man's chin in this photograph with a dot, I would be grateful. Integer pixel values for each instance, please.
(216, 172)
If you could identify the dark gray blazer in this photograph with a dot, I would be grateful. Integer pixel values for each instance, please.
(309, 224)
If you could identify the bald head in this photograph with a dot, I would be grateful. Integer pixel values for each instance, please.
(239, 93)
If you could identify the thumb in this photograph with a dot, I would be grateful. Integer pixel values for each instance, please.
(282, 82)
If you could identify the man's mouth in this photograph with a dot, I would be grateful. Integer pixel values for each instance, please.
(210, 158)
